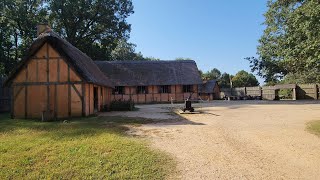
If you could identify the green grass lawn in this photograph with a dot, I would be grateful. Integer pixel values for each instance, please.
(314, 127)
(85, 148)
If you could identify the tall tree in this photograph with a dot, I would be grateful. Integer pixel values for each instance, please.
(244, 79)
(17, 29)
(92, 25)
(125, 51)
(224, 81)
(290, 42)
(212, 74)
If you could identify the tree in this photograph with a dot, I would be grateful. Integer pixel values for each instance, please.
(17, 29)
(125, 51)
(244, 79)
(224, 81)
(290, 42)
(92, 25)
(212, 74)
(95, 27)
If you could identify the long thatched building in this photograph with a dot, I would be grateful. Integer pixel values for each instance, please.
(152, 81)
(57, 80)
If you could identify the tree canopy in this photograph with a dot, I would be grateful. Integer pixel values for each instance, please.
(289, 46)
(95, 27)
(244, 79)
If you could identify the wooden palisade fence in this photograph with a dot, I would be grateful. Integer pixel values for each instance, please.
(299, 91)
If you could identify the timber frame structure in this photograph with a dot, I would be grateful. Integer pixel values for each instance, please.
(153, 81)
(56, 80)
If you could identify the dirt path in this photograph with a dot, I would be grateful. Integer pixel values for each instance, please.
(233, 140)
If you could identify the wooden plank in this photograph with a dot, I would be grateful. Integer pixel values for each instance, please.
(53, 53)
(17, 93)
(69, 100)
(36, 101)
(53, 71)
(19, 103)
(43, 71)
(47, 72)
(73, 75)
(26, 96)
(55, 101)
(63, 71)
(58, 61)
(76, 90)
(83, 99)
(21, 77)
(12, 102)
(62, 97)
(76, 103)
(37, 70)
(32, 69)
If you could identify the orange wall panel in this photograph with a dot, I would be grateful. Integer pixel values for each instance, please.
(63, 71)
(21, 77)
(19, 102)
(53, 70)
(42, 70)
(53, 53)
(52, 98)
(37, 101)
(42, 52)
(76, 103)
(62, 102)
(32, 71)
(91, 99)
(74, 76)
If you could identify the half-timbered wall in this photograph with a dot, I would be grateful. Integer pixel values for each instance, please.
(153, 95)
(50, 88)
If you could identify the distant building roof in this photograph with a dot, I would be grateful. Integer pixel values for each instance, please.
(82, 63)
(143, 73)
(208, 86)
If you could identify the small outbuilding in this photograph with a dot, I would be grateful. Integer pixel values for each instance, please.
(57, 80)
(209, 90)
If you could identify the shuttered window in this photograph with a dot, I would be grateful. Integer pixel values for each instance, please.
(164, 89)
(187, 88)
(142, 90)
(118, 90)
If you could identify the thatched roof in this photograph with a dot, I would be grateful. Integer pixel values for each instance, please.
(208, 86)
(143, 73)
(80, 62)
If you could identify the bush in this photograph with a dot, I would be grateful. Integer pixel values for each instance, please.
(122, 105)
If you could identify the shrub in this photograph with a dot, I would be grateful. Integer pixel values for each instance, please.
(122, 105)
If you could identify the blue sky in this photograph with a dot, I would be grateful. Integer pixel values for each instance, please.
(216, 34)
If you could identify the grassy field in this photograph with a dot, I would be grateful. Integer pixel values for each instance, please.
(314, 127)
(86, 148)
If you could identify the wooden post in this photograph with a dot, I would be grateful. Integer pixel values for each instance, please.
(12, 102)
(69, 93)
(83, 100)
(153, 93)
(48, 87)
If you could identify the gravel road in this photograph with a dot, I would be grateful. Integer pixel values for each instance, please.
(238, 140)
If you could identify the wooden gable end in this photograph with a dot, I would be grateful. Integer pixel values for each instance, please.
(47, 65)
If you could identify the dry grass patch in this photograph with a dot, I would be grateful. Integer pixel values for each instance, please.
(314, 127)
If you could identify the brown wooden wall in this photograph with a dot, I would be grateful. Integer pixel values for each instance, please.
(211, 96)
(153, 95)
(47, 86)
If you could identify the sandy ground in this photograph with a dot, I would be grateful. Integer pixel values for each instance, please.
(237, 139)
